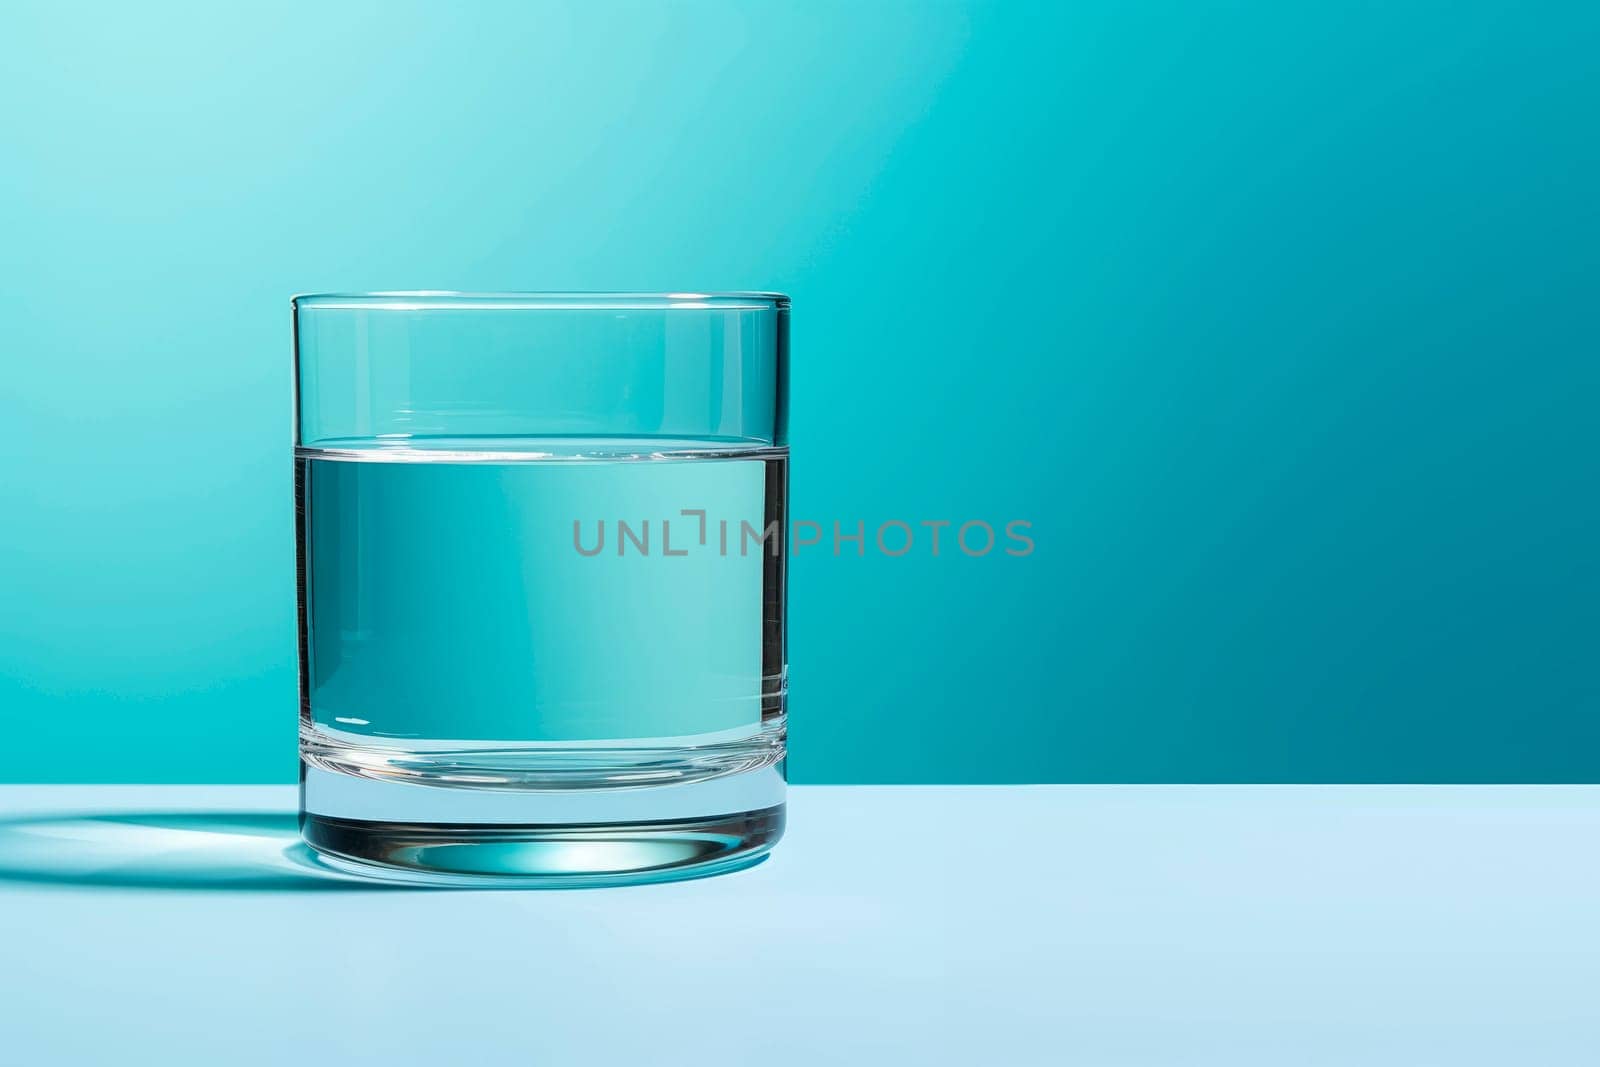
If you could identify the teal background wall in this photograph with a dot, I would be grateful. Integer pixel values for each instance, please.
(1277, 321)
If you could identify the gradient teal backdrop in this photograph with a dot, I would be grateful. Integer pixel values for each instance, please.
(1277, 321)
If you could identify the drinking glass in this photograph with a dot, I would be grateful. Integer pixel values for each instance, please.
(541, 569)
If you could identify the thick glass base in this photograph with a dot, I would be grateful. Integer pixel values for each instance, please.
(543, 767)
(439, 835)
(571, 857)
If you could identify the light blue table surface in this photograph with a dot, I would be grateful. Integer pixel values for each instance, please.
(1040, 925)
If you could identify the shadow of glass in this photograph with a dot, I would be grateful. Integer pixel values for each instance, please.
(232, 851)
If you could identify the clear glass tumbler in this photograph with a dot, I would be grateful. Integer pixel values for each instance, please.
(541, 547)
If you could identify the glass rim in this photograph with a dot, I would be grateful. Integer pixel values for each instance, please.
(445, 300)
